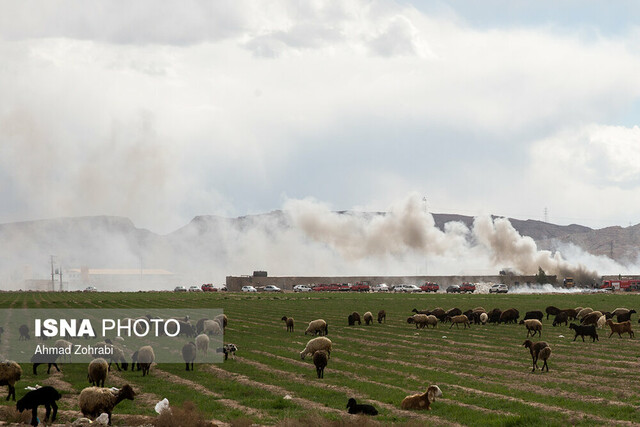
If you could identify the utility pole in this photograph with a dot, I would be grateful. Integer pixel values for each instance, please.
(60, 270)
(53, 285)
(546, 215)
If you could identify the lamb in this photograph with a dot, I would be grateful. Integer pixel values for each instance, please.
(623, 317)
(591, 318)
(10, 373)
(46, 396)
(382, 315)
(584, 312)
(211, 327)
(189, 354)
(318, 326)
(533, 326)
(551, 310)
(544, 354)
(536, 314)
(422, 401)
(455, 320)
(422, 320)
(353, 318)
(368, 318)
(509, 315)
(229, 349)
(356, 408)
(582, 330)
(535, 349)
(24, 333)
(144, 357)
(601, 322)
(93, 401)
(315, 344)
(484, 317)
(620, 328)
(97, 372)
(562, 317)
(288, 322)
(320, 359)
(202, 343)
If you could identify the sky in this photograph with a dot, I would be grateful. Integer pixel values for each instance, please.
(160, 112)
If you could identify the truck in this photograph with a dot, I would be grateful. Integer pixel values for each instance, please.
(568, 282)
(430, 287)
(467, 287)
(621, 285)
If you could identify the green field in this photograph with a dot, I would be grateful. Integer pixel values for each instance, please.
(484, 372)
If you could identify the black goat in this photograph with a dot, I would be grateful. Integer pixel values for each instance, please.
(625, 316)
(41, 358)
(583, 330)
(46, 396)
(356, 408)
(561, 317)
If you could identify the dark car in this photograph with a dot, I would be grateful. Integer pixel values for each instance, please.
(453, 289)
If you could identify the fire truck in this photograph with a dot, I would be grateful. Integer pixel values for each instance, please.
(621, 285)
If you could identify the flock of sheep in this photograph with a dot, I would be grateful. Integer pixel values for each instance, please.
(96, 400)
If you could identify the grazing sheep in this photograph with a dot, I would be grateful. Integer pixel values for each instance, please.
(602, 321)
(97, 372)
(46, 396)
(320, 359)
(317, 327)
(356, 408)
(625, 316)
(202, 343)
(533, 326)
(591, 318)
(315, 344)
(65, 347)
(189, 354)
(582, 330)
(41, 358)
(577, 309)
(368, 318)
(288, 321)
(419, 319)
(222, 320)
(484, 317)
(536, 314)
(422, 401)
(93, 401)
(534, 349)
(620, 328)
(551, 310)
(10, 373)
(24, 333)
(620, 310)
(355, 317)
(584, 312)
(211, 327)
(572, 313)
(416, 311)
(544, 354)
(561, 317)
(510, 315)
(439, 313)
(144, 358)
(455, 320)
(382, 315)
(479, 309)
(494, 315)
(200, 325)
(450, 313)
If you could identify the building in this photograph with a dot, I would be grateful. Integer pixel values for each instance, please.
(107, 279)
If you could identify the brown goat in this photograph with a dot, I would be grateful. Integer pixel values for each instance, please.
(422, 401)
(620, 328)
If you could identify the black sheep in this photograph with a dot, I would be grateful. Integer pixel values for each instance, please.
(356, 408)
(41, 358)
(625, 316)
(583, 330)
(561, 317)
(551, 310)
(536, 314)
(46, 396)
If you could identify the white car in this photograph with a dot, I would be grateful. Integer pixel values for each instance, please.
(195, 288)
(301, 288)
(382, 287)
(406, 288)
(499, 289)
(90, 289)
(180, 289)
(249, 289)
(272, 288)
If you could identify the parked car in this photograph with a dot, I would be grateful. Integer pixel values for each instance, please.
(382, 287)
(406, 288)
(249, 289)
(360, 287)
(272, 288)
(453, 289)
(430, 287)
(467, 287)
(194, 288)
(498, 289)
(90, 289)
(301, 288)
(208, 287)
(180, 289)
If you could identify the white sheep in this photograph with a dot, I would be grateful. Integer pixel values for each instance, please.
(202, 343)
(368, 318)
(602, 321)
(10, 372)
(93, 401)
(212, 327)
(483, 318)
(533, 326)
(318, 326)
(315, 344)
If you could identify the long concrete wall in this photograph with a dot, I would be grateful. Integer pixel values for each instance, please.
(235, 283)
